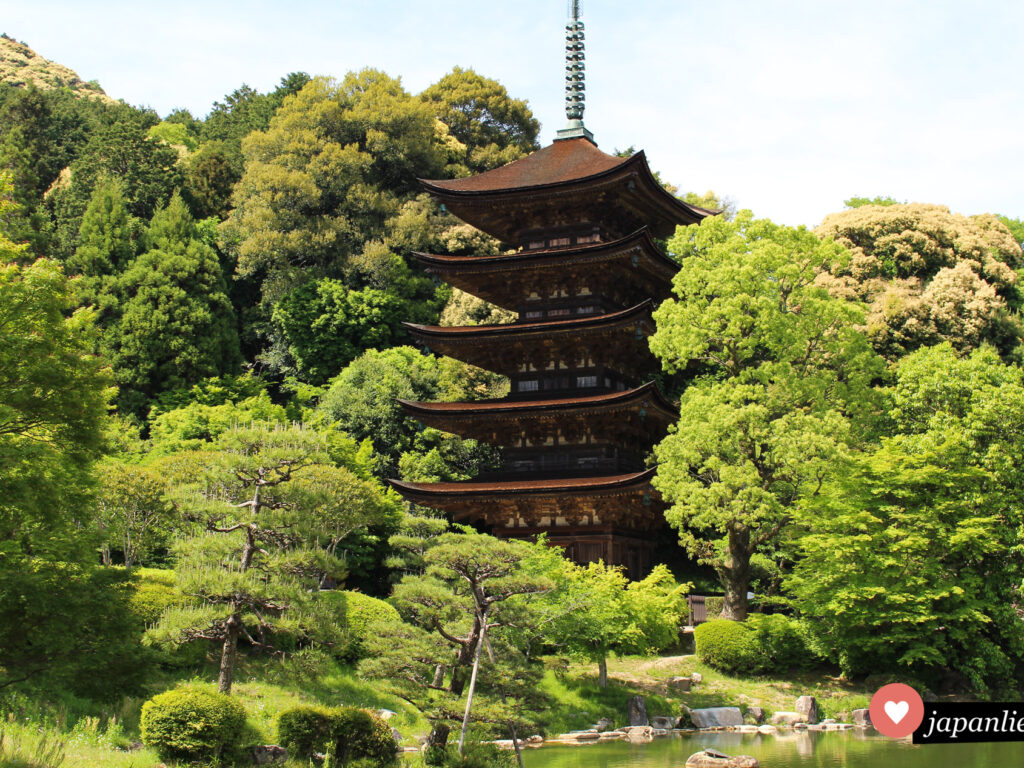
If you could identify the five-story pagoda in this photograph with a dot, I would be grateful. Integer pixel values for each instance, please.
(583, 273)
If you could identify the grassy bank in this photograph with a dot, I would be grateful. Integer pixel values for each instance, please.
(93, 736)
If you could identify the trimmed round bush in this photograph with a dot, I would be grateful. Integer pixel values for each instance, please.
(347, 734)
(728, 646)
(357, 613)
(304, 730)
(783, 642)
(360, 735)
(193, 724)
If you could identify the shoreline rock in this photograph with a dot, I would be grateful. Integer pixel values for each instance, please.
(716, 717)
(712, 758)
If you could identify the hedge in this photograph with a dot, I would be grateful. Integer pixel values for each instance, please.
(759, 645)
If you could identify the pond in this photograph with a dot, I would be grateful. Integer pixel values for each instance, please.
(829, 749)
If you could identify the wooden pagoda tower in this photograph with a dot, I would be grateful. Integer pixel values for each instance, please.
(583, 273)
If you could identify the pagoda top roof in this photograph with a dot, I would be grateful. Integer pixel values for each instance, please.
(527, 487)
(506, 405)
(565, 168)
(563, 162)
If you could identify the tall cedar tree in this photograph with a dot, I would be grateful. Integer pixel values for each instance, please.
(177, 326)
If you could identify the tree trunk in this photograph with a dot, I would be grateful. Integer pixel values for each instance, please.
(129, 555)
(439, 735)
(735, 574)
(227, 654)
(472, 678)
(602, 671)
(515, 741)
(105, 555)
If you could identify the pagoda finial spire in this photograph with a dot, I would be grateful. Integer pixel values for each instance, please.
(575, 76)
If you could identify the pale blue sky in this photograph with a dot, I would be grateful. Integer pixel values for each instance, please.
(787, 106)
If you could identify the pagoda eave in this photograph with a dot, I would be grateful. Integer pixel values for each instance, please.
(642, 410)
(503, 348)
(622, 500)
(639, 313)
(644, 264)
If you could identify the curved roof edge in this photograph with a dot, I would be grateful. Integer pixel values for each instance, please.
(563, 164)
(642, 235)
(495, 407)
(583, 322)
(560, 486)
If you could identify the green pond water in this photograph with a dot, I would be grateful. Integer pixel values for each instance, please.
(851, 749)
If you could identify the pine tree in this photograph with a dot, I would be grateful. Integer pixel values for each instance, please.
(254, 565)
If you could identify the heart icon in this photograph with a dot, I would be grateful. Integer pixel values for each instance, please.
(896, 710)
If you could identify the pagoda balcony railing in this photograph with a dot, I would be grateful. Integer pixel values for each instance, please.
(555, 465)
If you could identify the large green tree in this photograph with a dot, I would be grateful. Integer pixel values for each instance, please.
(53, 401)
(912, 550)
(784, 375)
(494, 128)
(363, 401)
(322, 180)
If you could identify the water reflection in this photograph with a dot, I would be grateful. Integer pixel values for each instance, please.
(787, 749)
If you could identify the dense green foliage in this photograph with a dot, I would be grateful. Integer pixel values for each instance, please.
(193, 724)
(360, 615)
(912, 553)
(729, 646)
(928, 276)
(850, 428)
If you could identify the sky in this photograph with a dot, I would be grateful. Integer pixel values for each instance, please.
(788, 107)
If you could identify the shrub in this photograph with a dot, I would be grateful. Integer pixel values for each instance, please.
(151, 598)
(346, 734)
(358, 613)
(359, 735)
(728, 646)
(782, 641)
(713, 606)
(193, 724)
(304, 730)
(759, 645)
